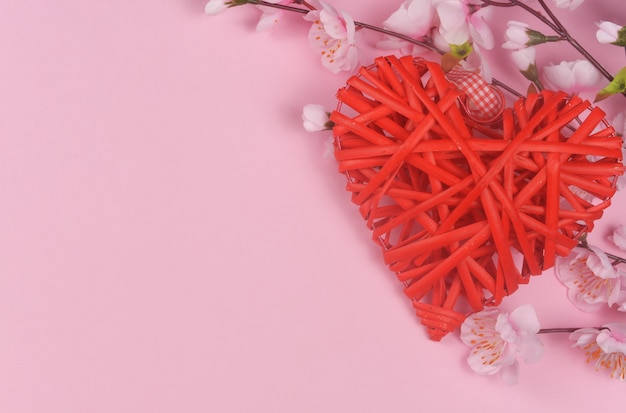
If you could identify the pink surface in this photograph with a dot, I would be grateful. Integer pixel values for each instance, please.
(171, 240)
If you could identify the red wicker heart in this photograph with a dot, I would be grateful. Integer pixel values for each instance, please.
(463, 211)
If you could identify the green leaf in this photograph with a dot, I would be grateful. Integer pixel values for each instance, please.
(617, 85)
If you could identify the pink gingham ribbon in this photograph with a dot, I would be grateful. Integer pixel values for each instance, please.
(484, 103)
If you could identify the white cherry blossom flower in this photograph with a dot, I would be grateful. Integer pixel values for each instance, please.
(591, 280)
(414, 19)
(516, 35)
(333, 35)
(572, 77)
(524, 58)
(567, 4)
(460, 23)
(608, 32)
(606, 347)
(498, 338)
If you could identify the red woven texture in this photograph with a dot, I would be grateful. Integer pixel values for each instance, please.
(464, 212)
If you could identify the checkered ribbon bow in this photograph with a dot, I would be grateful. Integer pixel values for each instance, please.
(484, 103)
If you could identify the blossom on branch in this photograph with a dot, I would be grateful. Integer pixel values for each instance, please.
(525, 61)
(591, 279)
(605, 346)
(315, 118)
(333, 35)
(572, 77)
(498, 338)
(216, 6)
(270, 15)
(461, 21)
(519, 36)
(415, 19)
(611, 33)
(567, 4)
(524, 58)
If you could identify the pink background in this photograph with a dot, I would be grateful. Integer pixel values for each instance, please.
(171, 240)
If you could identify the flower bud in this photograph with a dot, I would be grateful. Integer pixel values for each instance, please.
(524, 58)
(315, 118)
(611, 33)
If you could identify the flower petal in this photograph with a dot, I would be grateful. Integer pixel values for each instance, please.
(486, 357)
(612, 339)
(510, 374)
(314, 117)
(619, 237)
(591, 280)
(530, 347)
(214, 7)
(524, 318)
(268, 19)
(584, 336)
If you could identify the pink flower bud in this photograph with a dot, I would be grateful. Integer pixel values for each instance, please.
(524, 58)
(516, 35)
(314, 118)
(214, 7)
(611, 33)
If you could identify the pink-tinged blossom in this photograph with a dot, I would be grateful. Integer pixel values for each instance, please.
(479, 29)
(498, 338)
(516, 35)
(460, 22)
(477, 61)
(214, 7)
(619, 237)
(567, 4)
(608, 32)
(605, 347)
(524, 58)
(333, 36)
(414, 19)
(270, 15)
(572, 77)
(591, 280)
(452, 15)
(315, 118)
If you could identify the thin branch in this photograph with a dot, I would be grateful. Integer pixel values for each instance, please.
(425, 44)
(565, 330)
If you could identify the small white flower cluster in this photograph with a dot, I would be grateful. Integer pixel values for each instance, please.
(497, 338)
(573, 77)
(592, 277)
